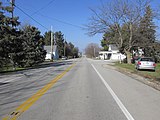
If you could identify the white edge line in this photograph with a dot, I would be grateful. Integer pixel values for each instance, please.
(118, 101)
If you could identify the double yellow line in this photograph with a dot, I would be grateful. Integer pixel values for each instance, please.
(29, 102)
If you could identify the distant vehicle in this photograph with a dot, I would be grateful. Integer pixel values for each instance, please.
(145, 63)
(64, 58)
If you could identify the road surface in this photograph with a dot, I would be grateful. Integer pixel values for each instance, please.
(83, 89)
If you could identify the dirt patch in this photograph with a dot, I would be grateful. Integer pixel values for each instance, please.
(154, 83)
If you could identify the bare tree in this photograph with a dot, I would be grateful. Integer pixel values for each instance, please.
(92, 50)
(116, 15)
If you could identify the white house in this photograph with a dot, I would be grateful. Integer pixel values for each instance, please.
(112, 54)
(55, 52)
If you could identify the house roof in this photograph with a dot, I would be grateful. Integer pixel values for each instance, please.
(113, 47)
(48, 48)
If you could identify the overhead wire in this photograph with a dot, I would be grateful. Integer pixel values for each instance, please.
(49, 3)
(51, 18)
(29, 16)
(60, 21)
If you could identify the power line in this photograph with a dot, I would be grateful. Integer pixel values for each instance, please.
(49, 3)
(60, 21)
(30, 17)
(77, 26)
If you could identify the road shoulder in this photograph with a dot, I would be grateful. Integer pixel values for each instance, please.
(150, 82)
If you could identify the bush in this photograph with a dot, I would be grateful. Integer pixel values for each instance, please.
(157, 58)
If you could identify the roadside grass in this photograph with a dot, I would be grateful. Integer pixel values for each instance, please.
(9, 68)
(145, 73)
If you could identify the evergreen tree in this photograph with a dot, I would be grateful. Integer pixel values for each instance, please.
(33, 46)
(10, 43)
(147, 32)
(62, 45)
(59, 38)
(110, 37)
(47, 38)
(104, 45)
(70, 50)
(75, 52)
(71, 47)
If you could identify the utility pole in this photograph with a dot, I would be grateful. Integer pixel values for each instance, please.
(65, 47)
(94, 52)
(51, 44)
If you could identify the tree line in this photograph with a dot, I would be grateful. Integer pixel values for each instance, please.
(24, 46)
(128, 24)
(64, 48)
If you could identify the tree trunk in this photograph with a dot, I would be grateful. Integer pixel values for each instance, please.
(129, 44)
(128, 56)
(131, 35)
(120, 35)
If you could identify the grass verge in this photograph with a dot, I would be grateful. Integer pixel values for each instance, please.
(11, 69)
(145, 73)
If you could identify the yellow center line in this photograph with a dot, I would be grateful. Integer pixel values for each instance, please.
(30, 101)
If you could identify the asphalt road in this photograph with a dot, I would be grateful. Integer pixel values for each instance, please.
(88, 90)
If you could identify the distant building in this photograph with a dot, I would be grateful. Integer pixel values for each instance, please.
(55, 52)
(112, 54)
(138, 52)
(79, 54)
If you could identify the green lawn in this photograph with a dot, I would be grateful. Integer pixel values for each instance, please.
(145, 73)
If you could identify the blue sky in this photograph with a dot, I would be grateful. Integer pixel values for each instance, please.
(74, 12)
(56, 12)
